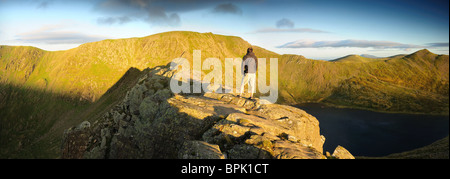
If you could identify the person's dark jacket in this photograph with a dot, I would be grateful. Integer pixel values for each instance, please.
(250, 60)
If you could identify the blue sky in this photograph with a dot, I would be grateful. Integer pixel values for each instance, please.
(317, 29)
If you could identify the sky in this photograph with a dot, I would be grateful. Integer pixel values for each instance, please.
(316, 29)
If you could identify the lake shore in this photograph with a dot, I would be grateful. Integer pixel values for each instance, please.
(443, 113)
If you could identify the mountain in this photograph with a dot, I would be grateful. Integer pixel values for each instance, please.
(369, 56)
(89, 70)
(355, 58)
(42, 93)
(415, 83)
(436, 150)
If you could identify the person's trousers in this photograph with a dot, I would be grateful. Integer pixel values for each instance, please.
(250, 79)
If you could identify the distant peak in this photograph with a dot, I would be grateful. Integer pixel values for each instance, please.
(422, 53)
(351, 57)
(348, 56)
(368, 56)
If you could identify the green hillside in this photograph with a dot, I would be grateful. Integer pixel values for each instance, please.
(362, 59)
(355, 58)
(90, 69)
(436, 150)
(416, 83)
(42, 92)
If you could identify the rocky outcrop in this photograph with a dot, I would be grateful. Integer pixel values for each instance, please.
(342, 153)
(265, 131)
(199, 150)
(152, 122)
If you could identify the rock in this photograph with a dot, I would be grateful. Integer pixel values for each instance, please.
(83, 125)
(262, 134)
(152, 122)
(215, 88)
(105, 134)
(327, 154)
(148, 108)
(342, 153)
(229, 98)
(289, 150)
(199, 150)
(300, 124)
(243, 151)
(76, 141)
(134, 98)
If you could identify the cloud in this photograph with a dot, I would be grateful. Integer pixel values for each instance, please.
(296, 30)
(51, 35)
(43, 4)
(157, 12)
(160, 17)
(285, 23)
(227, 9)
(161, 12)
(113, 20)
(438, 44)
(348, 43)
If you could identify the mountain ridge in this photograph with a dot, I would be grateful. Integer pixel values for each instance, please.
(73, 85)
(86, 72)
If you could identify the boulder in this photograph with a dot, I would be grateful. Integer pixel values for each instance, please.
(76, 141)
(342, 153)
(199, 150)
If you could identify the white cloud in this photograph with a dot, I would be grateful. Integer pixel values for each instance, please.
(348, 43)
(439, 44)
(285, 25)
(53, 34)
(294, 30)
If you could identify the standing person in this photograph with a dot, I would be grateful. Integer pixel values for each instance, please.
(248, 69)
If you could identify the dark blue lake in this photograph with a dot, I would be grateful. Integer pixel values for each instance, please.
(368, 133)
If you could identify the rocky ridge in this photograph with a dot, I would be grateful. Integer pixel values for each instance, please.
(152, 122)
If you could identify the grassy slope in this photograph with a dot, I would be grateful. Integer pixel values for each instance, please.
(90, 69)
(361, 59)
(415, 83)
(436, 150)
(355, 58)
(33, 120)
(42, 93)
(28, 114)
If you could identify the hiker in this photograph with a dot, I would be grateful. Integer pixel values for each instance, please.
(248, 69)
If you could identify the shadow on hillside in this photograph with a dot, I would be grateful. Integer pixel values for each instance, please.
(32, 120)
(27, 115)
